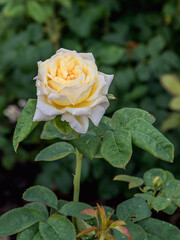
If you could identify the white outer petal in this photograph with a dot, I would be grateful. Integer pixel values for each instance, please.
(41, 89)
(45, 111)
(78, 123)
(108, 78)
(63, 50)
(101, 84)
(80, 111)
(87, 56)
(39, 116)
(98, 111)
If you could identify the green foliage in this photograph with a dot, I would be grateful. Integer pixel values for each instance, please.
(55, 151)
(160, 230)
(111, 56)
(104, 125)
(13, 10)
(25, 123)
(66, 3)
(148, 138)
(37, 11)
(74, 209)
(134, 125)
(175, 103)
(134, 209)
(31, 233)
(171, 190)
(31, 31)
(156, 45)
(128, 125)
(117, 147)
(136, 231)
(161, 190)
(50, 132)
(131, 221)
(41, 194)
(133, 181)
(18, 219)
(144, 135)
(82, 225)
(137, 43)
(110, 96)
(57, 227)
(88, 145)
(62, 127)
(146, 227)
(84, 20)
(38, 206)
(154, 178)
(172, 84)
(151, 229)
(160, 203)
(61, 203)
(123, 116)
(171, 122)
(24, 219)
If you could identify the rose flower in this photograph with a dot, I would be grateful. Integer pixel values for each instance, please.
(70, 85)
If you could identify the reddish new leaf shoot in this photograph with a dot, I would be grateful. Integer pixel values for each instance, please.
(103, 227)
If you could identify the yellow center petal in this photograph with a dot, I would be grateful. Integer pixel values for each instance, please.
(70, 77)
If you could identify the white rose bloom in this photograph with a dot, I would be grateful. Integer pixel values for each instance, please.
(70, 85)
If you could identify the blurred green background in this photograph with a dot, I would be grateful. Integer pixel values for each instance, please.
(137, 41)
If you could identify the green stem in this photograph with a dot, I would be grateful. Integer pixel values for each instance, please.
(77, 178)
